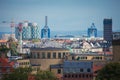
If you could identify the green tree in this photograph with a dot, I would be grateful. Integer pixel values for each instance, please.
(45, 75)
(18, 74)
(110, 71)
(13, 46)
(3, 50)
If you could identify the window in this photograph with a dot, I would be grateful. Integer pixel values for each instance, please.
(43, 55)
(59, 55)
(48, 55)
(31, 55)
(73, 58)
(35, 55)
(65, 76)
(38, 55)
(101, 57)
(76, 76)
(63, 54)
(59, 71)
(81, 70)
(72, 75)
(54, 55)
(90, 75)
(69, 76)
(83, 75)
(86, 75)
(88, 70)
(79, 75)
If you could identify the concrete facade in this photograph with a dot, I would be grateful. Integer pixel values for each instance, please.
(77, 70)
(47, 56)
(116, 50)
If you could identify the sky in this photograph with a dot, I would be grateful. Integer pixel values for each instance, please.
(63, 15)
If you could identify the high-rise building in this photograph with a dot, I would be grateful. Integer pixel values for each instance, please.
(107, 29)
(92, 31)
(29, 31)
(45, 32)
(116, 50)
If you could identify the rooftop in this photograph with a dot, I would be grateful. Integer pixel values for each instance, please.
(48, 48)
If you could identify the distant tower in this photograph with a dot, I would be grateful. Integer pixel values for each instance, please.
(107, 29)
(92, 31)
(12, 25)
(26, 31)
(45, 32)
(20, 26)
(35, 31)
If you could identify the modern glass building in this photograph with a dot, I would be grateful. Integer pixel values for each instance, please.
(29, 31)
(107, 29)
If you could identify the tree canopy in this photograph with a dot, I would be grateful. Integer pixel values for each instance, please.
(111, 71)
(23, 73)
(3, 50)
(45, 75)
(18, 74)
(13, 46)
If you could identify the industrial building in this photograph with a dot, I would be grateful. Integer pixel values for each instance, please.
(107, 30)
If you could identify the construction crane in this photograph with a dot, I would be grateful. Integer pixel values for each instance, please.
(92, 31)
(45, 32)
(9, 23)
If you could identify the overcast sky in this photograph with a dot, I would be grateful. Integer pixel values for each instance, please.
(63, 15)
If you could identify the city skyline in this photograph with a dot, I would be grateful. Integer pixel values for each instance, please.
(63, 15)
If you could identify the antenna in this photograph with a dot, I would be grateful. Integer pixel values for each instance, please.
(46, 21)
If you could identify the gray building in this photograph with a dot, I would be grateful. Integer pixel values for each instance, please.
(107, 29)
(77, 70)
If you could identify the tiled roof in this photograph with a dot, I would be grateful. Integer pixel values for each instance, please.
(3, 41)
